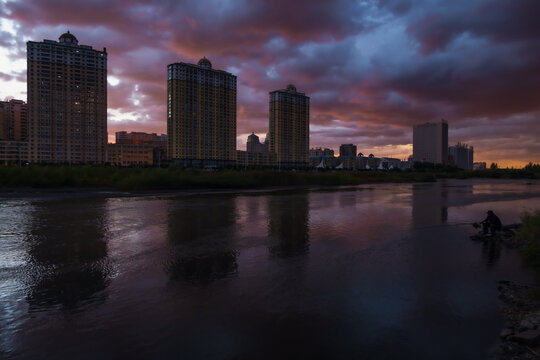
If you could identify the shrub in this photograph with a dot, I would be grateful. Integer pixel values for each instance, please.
(529, 232)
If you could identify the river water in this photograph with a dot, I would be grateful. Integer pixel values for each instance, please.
(382, 271)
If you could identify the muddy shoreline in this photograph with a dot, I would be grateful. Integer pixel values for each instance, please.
(520, 306)
(520, 338)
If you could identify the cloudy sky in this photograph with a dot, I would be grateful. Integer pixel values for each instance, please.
(371, 68)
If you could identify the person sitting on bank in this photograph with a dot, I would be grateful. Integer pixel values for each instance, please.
(491, 224)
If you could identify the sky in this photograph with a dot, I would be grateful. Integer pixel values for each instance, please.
(372, 69)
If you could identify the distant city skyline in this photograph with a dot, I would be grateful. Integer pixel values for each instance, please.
(372, 69)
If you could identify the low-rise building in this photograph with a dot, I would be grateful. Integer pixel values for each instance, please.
(254, 145)
(158, 142)
(129, 155)
(255, 159)
(13, 152)
(368, 162)
(479, 166)
(323, 161)
(347, 162)
(321, 152)
(390, 164)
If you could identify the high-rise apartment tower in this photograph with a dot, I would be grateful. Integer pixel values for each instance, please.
(289, 127)
(462, 155)
(67, 101)
(430, 142)
(201, 115)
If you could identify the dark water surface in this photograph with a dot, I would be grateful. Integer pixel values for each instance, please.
(376, 272)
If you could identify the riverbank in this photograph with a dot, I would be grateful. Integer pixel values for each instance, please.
(174, 178)
(520, 339)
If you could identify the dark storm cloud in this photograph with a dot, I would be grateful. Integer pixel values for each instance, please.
(375, 67)
(500, 21)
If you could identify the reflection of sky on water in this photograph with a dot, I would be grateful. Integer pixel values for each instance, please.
(366, 271)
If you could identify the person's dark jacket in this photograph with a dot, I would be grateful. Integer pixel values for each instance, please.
(493, 221)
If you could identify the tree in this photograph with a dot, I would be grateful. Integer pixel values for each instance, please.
(493, 166)
(532, 167)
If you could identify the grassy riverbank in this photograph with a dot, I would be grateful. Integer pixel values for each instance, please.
(529, 233)
(520, 338)
(179, 178)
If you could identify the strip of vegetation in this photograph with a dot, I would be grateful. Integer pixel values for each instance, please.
(529, 234)
(174, 177)
(490, 174)
(530, 171)
(179, 178)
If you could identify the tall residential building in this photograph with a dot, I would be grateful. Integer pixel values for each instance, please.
(462, 155)
(201, 115)
(289, 127)
(13, 120)
(347, 150)
(430, 142)
(67, 101)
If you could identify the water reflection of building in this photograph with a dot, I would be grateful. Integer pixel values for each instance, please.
(68, 250)
(200, 233)
(429, 204)
(288, 225)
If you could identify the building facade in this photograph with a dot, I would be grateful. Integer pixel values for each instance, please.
(289, 127)
(480, 165)
(129, 155)
(430, 143)
(13, 120)
(462, 156)
(13, 152)
(201, 115)
(320, 158)
(67, 101)
(254, 144)
(255, 159)
(157, 142)
(321, 152)
(347, 150)
(141, 138)
(347, 157)
(368, 162)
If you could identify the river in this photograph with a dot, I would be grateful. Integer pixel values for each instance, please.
(383, 271)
